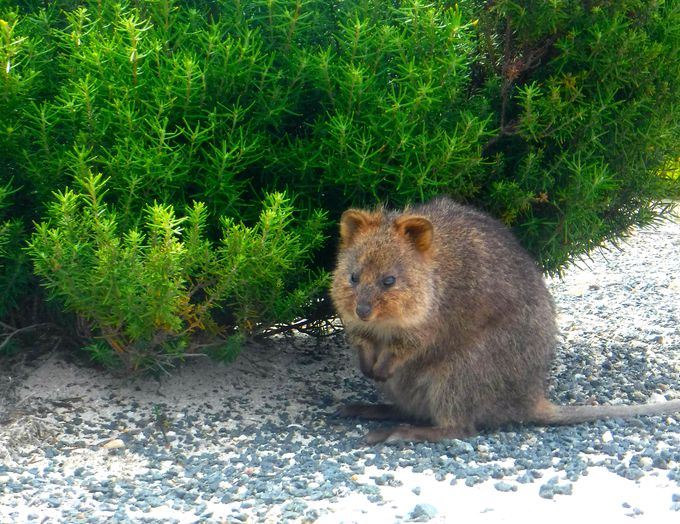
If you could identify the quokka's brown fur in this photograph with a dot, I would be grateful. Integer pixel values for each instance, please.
(453, 320)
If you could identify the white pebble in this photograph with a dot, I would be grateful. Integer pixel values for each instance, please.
(657, 398)
(646, 463)
(116, 443)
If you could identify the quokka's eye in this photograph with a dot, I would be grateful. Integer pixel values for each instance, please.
(389, 281)
(354, 278)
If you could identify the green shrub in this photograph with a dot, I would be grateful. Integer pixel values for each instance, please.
(671, 176)
(561, 118)
(589, 117)
(150, 293)
(14, 271)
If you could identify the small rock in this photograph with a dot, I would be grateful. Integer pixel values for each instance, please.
(423, 512)
(504, 486)
(115, 443)
(553, 487)
(646, 463)
(657, 398)
(607, 437)
(634, 473)
(546, 491)
(525, 478)
(387, 479)
(472, 480)
(563, 489)
(634, 512)
(458, 447)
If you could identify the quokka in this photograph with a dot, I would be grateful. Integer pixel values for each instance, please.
(453, 320)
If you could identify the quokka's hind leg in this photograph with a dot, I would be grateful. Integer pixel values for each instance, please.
(372, 411)
(416, 433)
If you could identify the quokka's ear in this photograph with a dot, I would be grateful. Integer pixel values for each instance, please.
(355, 221)
(417, 230)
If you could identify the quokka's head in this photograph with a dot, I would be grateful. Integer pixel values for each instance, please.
(384, 272)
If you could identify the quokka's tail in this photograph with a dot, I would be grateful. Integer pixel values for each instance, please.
(550, 414)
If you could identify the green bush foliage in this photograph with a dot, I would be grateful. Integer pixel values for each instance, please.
(14, 269)
(562, 118)
(589, 118)
(150, 290)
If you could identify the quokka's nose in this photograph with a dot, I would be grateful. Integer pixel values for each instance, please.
(363, 311)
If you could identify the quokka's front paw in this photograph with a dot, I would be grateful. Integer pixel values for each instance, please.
(367, 360)
(384, 367)
(380, 375)
(367, 372)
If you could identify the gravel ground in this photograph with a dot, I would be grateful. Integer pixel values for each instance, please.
(257, 441)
